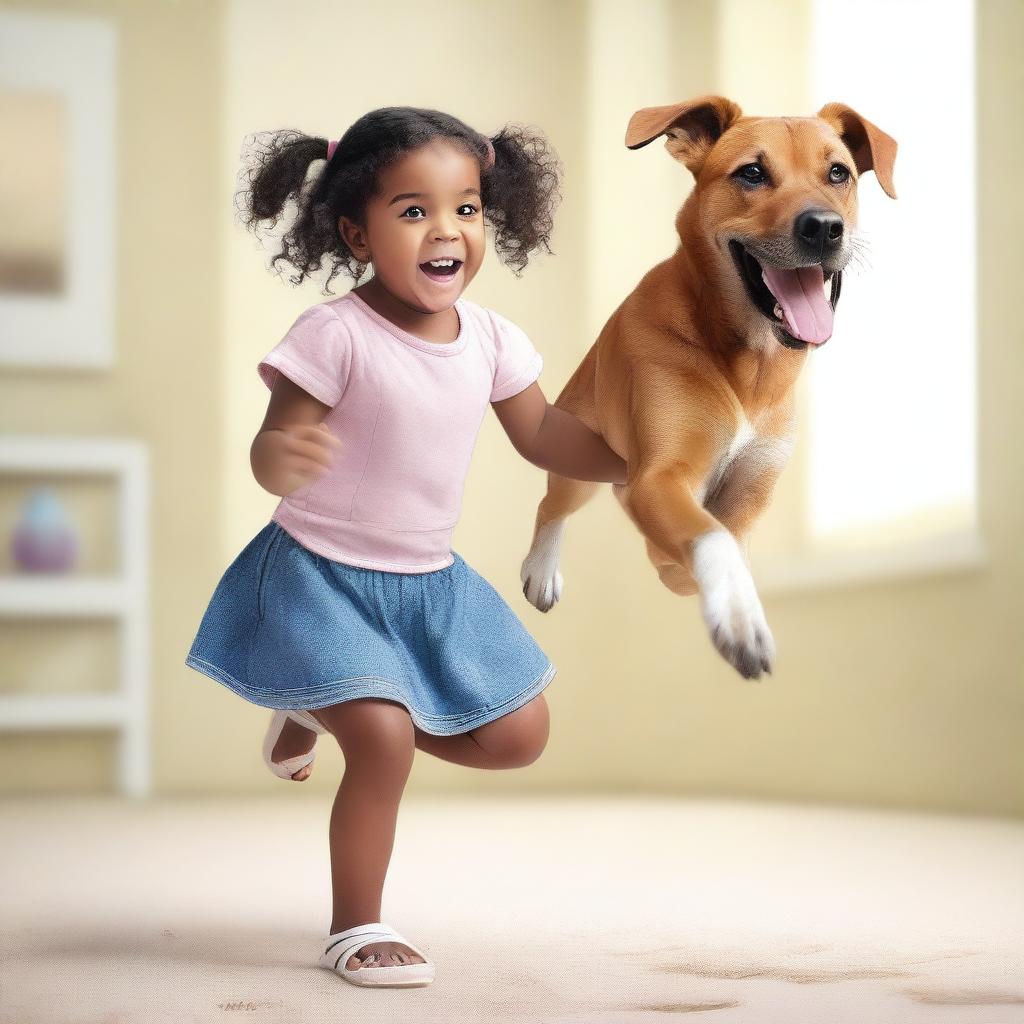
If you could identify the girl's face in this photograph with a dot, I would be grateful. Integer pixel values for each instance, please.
(427, 209)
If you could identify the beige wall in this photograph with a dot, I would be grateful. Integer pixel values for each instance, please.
(899, 694)
(164, 389)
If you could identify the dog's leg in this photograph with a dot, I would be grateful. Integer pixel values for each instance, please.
(676, 445)
(675, 574)
(730, 605)
(678, 578)
(663, 506)
(542, 582)
(745, 493)
(737, 504)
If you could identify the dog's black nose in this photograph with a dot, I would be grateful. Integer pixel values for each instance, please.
(820, 230)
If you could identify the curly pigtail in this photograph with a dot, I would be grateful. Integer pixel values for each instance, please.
(520, 194)
(275, 171)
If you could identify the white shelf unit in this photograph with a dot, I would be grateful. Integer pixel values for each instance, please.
(123, 596)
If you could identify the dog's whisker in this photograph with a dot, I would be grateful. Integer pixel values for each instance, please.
(860, 252)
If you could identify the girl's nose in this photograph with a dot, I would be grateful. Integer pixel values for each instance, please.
(445, 231)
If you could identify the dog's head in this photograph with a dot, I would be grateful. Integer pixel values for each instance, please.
(775, 201)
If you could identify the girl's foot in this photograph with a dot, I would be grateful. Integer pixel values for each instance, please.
(294, 740)
(382, 954)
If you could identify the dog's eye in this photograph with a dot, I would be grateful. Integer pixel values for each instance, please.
(838, 174)
(752, 174)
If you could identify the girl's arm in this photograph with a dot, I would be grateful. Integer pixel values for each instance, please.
(293, 446)
(556, 440)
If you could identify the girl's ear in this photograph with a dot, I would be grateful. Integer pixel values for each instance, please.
(355, 238)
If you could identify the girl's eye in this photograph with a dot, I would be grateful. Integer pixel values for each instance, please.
(752, 174)
(467, 210)
(414, 208)
(838, 174)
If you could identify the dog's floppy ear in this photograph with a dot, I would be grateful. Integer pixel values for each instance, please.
(871, 148)
(692, 127)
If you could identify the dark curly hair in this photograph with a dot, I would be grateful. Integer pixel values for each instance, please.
(519, 190)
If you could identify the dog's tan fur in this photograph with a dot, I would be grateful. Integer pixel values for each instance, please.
(688, 381)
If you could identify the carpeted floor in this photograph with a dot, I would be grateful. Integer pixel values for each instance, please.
(560, 910)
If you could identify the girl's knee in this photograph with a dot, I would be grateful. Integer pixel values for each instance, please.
(519, 738)
(521, 751)
(372, 732)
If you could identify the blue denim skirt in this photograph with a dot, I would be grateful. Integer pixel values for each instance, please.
(288, 628)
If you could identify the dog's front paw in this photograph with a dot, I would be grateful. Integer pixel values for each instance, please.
(542, 582)
(730, 605)
(543, 592)
(541, 586)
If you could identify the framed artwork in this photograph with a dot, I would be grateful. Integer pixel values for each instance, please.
(57, 190)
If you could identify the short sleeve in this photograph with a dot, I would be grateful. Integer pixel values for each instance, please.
(518, 363)
(316, 354)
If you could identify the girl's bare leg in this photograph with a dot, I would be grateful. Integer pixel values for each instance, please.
(376, 738)
(512, 741)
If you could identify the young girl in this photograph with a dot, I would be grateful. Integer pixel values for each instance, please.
(349, 612)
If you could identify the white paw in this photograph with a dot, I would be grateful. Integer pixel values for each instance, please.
(542, 582)
(732, 610)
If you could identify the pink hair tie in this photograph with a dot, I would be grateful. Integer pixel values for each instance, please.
(331, 147)
(489, 163)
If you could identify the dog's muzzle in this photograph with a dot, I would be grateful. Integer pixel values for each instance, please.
(794, 282)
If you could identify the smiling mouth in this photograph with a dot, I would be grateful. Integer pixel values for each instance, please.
(799, 302)
(441, 270)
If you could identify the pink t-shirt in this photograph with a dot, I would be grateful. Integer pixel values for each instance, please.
(407, 413)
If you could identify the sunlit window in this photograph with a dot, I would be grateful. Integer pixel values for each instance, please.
(892, 395)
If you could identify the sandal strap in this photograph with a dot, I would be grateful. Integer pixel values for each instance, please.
(341, 945)
(296, 763)
(374, 926)
(304, 718)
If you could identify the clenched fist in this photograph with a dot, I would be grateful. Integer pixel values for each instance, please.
(287, 458)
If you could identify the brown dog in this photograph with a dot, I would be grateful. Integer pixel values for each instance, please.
(691, 381)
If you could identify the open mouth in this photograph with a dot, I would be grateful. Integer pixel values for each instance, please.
(799, 302)
(441, 270)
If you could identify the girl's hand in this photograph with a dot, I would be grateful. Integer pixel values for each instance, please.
(287, 458)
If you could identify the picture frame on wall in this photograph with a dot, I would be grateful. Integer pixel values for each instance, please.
(58, 76)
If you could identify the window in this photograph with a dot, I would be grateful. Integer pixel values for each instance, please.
(891, 413)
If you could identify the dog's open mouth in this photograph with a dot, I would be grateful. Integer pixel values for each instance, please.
(794, 300)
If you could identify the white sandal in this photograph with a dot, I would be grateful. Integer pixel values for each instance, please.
(290, 765)
(342, 945)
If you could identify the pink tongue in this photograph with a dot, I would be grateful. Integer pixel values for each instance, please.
(800, 294)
